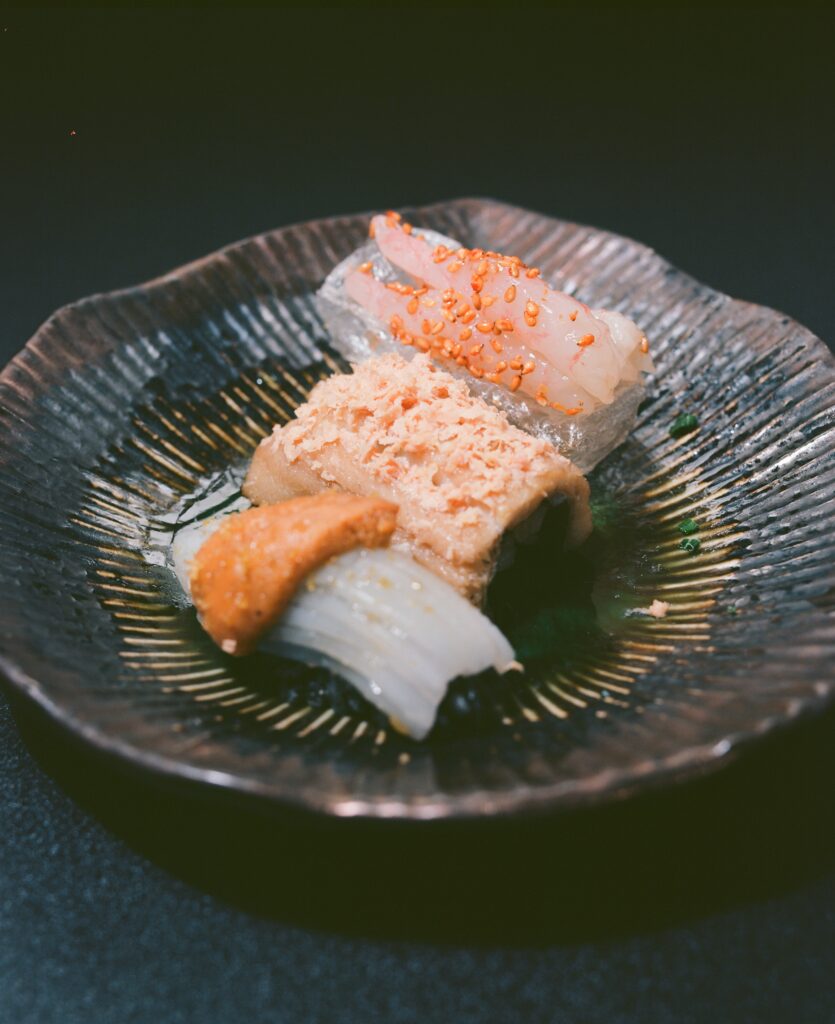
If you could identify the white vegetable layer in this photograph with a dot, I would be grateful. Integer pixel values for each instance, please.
(393, 629)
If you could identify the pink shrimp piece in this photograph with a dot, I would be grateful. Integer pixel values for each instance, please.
(449, 329)
(496, 316)
(408, 251)
(404, 314)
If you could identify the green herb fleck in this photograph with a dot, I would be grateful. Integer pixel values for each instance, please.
(684, 424)
(732, 609)
(691, 545)
(688, 526)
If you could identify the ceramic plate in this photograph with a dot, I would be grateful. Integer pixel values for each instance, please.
(126, 407)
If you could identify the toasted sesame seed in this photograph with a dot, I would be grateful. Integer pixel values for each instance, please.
(437, 327)
(528, 368)
(532, 272)
(396, 323)
(412, 307)
(476, 350)
(501, 366)
(573, 316)
(488, 300)
(644, 345)
(477, 284)
(497, 346)
(513, 270)
(505, 325)
(516, 364)
(466, 334)
(485, 326)
(422, 344)
(585, 341)
(365, 268)
(510, 294)
(515, 383)
(531, 308)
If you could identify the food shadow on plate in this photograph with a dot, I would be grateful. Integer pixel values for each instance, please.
(762, 826)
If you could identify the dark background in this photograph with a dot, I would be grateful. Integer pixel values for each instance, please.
(133, 141)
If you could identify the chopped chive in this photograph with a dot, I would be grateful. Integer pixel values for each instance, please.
(687, 526)
(691, 545)
(731, 609)
(684, 424)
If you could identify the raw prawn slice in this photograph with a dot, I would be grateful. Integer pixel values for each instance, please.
(475, 344)
(511, 300)
(560, 370)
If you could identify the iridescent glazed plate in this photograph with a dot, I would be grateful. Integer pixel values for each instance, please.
(126, 409)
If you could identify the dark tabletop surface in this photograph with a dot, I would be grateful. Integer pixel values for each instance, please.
(136, 141)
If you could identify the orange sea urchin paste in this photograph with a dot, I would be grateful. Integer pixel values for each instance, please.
(247, 572)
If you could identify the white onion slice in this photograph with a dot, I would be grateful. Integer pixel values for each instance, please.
(392, 628)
